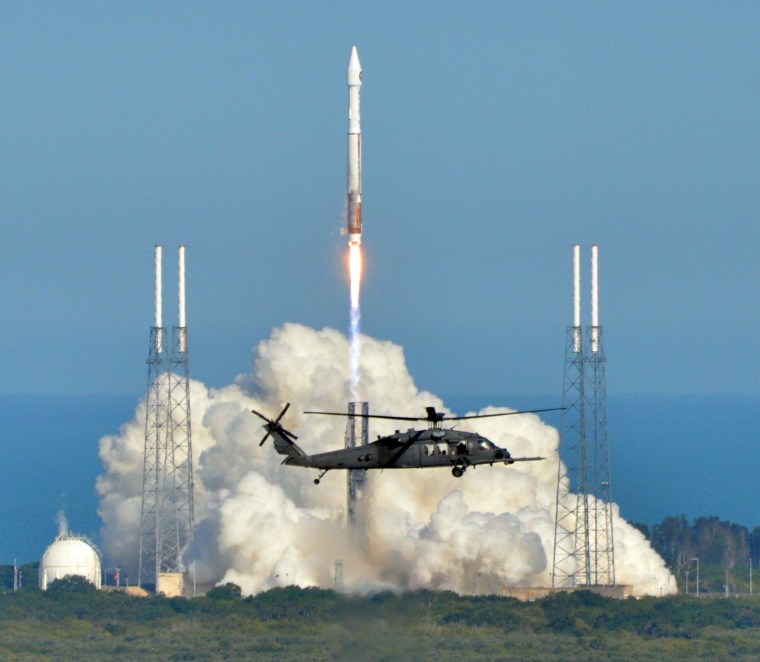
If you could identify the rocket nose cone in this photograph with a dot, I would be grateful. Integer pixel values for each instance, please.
(354, 68)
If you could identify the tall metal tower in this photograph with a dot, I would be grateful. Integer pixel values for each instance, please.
(166, 520)
(151, 525)
(571, 524)
(602, 540)
(583, 537)
(357, 434)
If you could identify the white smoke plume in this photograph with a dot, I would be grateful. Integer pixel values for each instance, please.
(261, 524)
(63, 522)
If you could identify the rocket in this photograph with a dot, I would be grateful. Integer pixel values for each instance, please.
(354, 150)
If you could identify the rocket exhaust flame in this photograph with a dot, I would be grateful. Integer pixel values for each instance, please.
(355, 272)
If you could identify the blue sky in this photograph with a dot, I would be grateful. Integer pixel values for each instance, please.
(495, 136)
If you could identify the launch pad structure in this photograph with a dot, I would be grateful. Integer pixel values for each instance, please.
(584, 554)
(357, 434)
(167, 513)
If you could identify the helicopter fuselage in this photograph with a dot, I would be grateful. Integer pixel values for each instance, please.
(434, 447)
(414, 448)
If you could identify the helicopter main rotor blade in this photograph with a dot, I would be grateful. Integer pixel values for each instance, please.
(392, 418)
(506, 413)
(261, 416)
(282, 413)
(433, 415)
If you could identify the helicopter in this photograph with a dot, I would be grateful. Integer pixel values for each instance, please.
(435, 446)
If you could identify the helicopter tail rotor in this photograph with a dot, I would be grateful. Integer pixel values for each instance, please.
(274, 425)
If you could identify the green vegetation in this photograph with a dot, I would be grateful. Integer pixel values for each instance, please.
(73, 620)
(28, 577)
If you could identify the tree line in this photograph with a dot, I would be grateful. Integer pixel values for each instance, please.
(73, 620)
(724, 551)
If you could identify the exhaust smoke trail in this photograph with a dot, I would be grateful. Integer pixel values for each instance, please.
(355, 276)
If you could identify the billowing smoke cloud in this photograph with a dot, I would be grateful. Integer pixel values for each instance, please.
(261, 524)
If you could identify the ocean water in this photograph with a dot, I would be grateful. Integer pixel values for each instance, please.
(670, 455)
(49, 465)
(682, 454)
(686, 454)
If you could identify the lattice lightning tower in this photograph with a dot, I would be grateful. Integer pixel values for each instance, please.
(602, 546)
(166, 521)
(571, 540)
(583, 536)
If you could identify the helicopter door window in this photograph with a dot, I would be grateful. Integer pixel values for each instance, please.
(430, 449)
(442, 449)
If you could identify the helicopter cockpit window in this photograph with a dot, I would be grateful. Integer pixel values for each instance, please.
(486, 445)
(442, 449)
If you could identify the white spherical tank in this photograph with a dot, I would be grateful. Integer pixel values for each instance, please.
(70, 555)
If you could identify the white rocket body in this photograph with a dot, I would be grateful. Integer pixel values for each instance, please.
(354, 150)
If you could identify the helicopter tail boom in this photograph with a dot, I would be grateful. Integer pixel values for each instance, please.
(512, 460)
(285, 446)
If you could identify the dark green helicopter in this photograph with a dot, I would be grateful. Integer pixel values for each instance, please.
(435, 446)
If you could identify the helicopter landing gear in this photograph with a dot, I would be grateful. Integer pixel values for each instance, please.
(318, 478)
(457, 472)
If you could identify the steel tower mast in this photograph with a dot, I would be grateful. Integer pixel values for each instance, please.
(584, 550)
(151, 526)
(602, 539)
(166, 521)
(571, 562)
